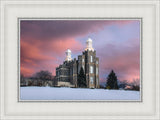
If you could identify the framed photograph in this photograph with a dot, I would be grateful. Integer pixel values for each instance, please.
(46, 73)
(80, 60)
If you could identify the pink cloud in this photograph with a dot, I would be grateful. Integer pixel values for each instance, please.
(40, 56)
(60, 46)
(26, 71)
(43, 44)
(124, 61)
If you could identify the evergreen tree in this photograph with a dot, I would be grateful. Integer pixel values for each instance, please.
(112, 81)
(81, 79)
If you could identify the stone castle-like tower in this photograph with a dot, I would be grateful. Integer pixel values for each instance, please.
(66, 74)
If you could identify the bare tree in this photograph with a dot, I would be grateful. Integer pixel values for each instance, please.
(135, 84)
(123, 84)
(44, 75)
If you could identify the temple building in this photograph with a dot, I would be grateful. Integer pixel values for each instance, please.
(67, 73)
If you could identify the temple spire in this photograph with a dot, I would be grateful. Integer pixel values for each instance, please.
(68, 55)
(89, 45)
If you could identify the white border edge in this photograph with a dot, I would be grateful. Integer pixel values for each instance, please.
(157, 115)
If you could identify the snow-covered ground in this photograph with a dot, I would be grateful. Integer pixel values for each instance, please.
(53, 93)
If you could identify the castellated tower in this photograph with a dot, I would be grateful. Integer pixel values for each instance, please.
(66, 74)
(91, 65)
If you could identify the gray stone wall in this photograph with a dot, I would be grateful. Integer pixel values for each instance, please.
(68, 71)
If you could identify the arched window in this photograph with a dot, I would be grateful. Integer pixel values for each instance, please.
(91, 59)
(91, 69)
(91, 80)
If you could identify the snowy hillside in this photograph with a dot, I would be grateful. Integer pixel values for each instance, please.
(53, 93)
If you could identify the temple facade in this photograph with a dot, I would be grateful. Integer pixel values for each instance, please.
(67, 73)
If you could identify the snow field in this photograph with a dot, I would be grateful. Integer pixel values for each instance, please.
(62, 93)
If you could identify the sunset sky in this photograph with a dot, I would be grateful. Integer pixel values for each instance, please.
(117, 43)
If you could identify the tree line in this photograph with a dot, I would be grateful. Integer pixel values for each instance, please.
(111, 80)
(38, 79)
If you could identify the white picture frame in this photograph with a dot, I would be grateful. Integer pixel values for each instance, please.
(149, 108)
